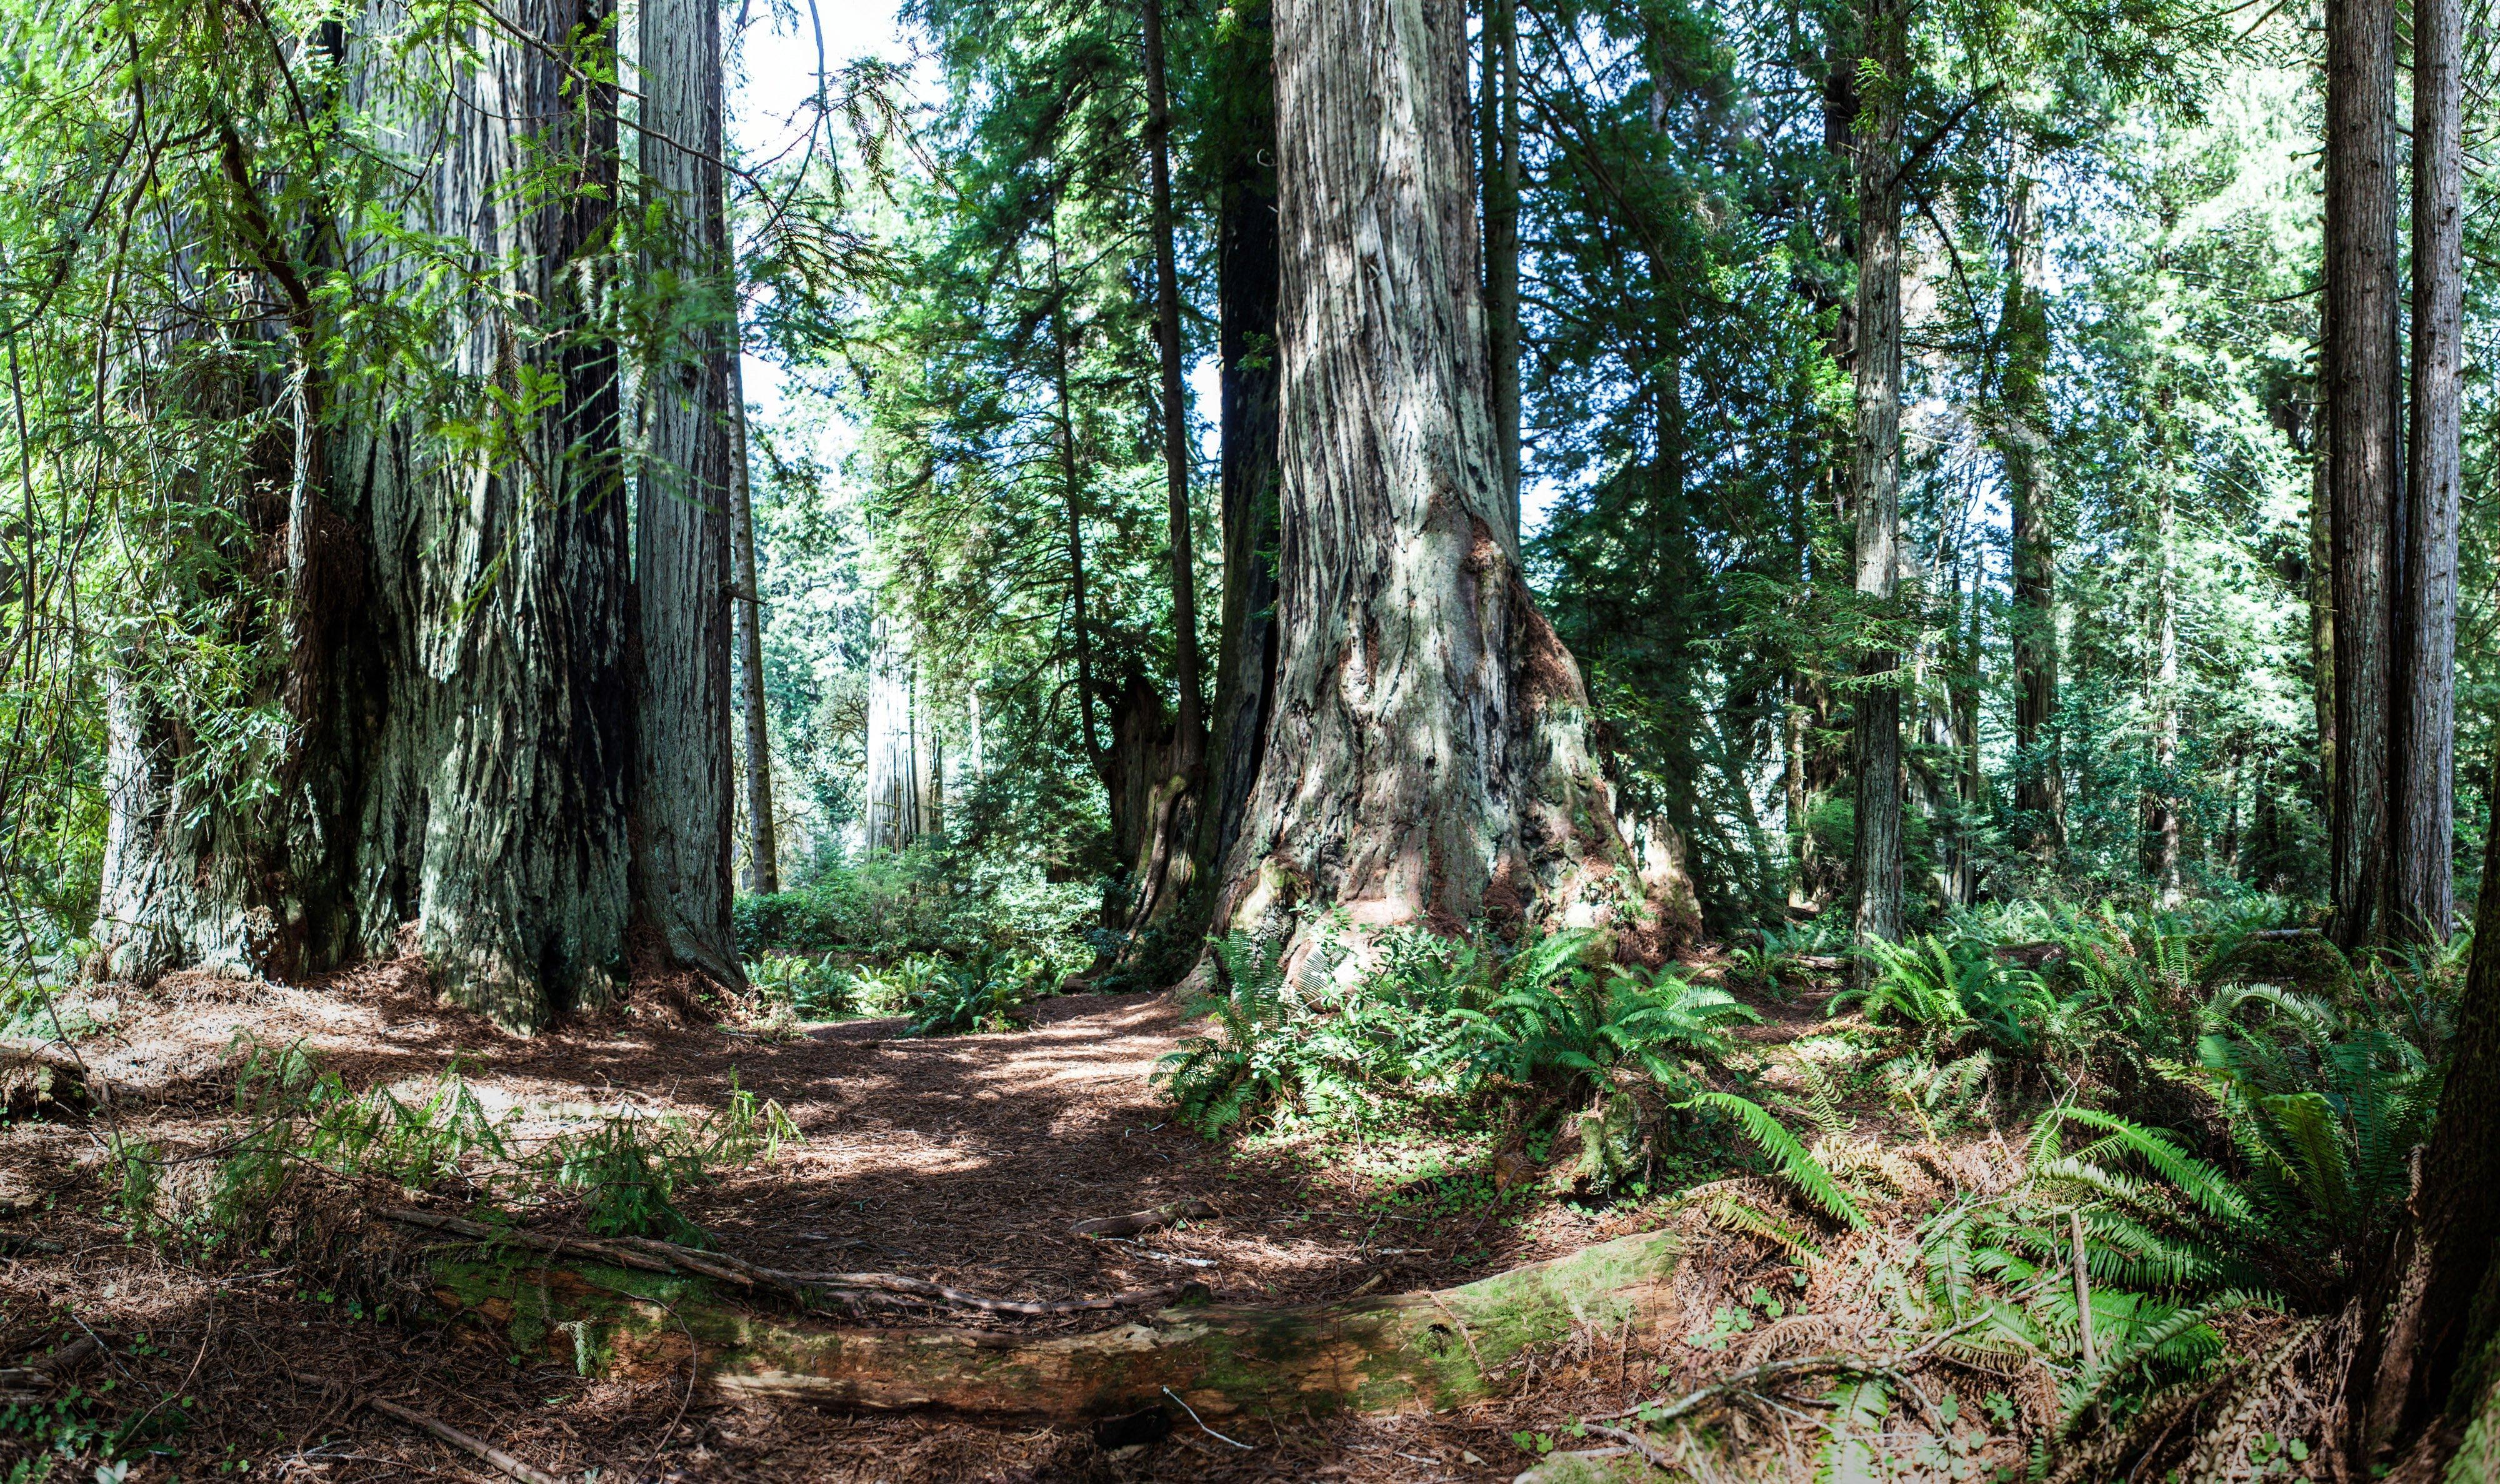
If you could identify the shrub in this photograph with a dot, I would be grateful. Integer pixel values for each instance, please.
(986, 993)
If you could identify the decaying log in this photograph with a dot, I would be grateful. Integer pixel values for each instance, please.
(1384, 1353)
(1137, 1222)
(803, 1288)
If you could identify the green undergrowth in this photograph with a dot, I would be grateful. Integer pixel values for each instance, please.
(623, 1170)
(2090, 1144)
(925, 900)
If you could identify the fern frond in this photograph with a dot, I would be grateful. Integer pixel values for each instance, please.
(1800, 1166)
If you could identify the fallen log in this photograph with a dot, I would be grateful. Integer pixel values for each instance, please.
(1379, 1354)
(803, 1288)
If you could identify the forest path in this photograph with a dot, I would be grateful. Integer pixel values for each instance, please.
(964, 1159)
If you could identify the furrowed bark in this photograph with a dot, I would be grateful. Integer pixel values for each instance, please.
(681, 534)
(1428, 759)
(2421, 894)
(458, 618)
(1386, 1354)
(2359, 356)
(2425, 1374)
(1876, 482)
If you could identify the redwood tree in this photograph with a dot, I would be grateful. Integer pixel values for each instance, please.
(2359, 357)
(2420, 897)
(1244, 134)
(1427, 758)
(681, 532)
(1875, 464)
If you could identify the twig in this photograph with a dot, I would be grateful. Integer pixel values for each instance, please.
(1203, 1427)
(1631, 1440)
(1468, 1339)
(1139, 1221)
(477, 1448)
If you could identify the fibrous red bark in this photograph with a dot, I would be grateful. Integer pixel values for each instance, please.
(1427, 757)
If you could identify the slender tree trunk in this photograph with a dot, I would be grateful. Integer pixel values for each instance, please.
(1071, 492)
(1427, 762)
(2420, 900)
(894, 790)
(2359, 359)
(2159, 844)
(1498, 110)
(763, 849)
(1970, 784)
(1876, 483)
(1165, 863)
(681, 527)
(1245, 289)
(2039, 786)
(2320, 590)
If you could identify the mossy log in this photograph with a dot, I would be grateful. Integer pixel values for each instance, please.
(1390, 1353)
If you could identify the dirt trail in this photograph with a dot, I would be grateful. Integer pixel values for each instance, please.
(964, 1159)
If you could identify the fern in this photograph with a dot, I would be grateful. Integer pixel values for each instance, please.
(1801, 1168)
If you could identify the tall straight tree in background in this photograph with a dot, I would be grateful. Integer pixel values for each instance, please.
(2022, 435)
(1243, 129)
(1166, 867)
(681, 529)
(1497, 118)
(2363, 444)
(2420, 896)
(1427, 758)
(1876, 462)
(763, 849)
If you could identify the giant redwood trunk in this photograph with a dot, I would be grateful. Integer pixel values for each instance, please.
(2425, 1376)
(2358, 358)
(463, 606)
(2420, 895)
(498, 819)
(1426, 757)
(1876, 472)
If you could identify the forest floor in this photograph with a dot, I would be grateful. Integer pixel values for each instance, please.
(961, 1159)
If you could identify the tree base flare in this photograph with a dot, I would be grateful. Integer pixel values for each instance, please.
(1393, 1353)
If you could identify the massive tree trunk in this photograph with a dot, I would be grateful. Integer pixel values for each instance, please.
(1428, 759)
(1876, 484)
(458, 549)
(1498, 116)
(2039, 784)
(1245, 290)
(2425, 1375)
(499, 823)
(681, 534)
(2422, 741)
(763, 845)
(2359, 360)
